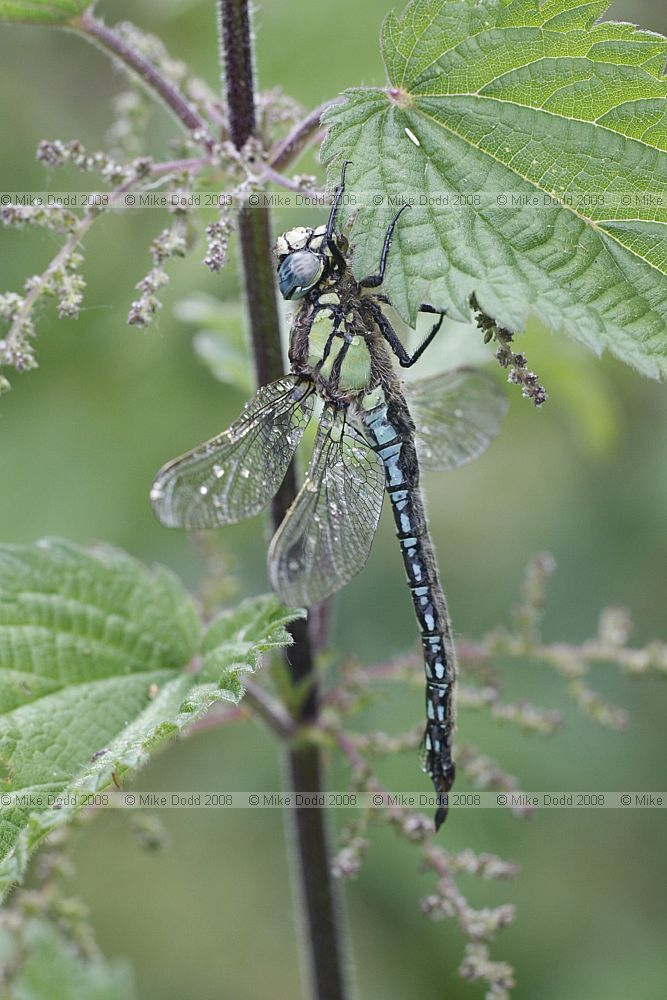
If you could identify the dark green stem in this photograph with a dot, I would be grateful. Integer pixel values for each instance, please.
(321, 917)
(316, 886)
(238, 67)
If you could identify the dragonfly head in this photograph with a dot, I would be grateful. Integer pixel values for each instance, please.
(302, 260)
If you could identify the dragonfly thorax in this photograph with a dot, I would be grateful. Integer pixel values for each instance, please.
(332, 346)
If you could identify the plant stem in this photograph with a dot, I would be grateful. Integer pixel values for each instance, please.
(112, 42)
(290, 147)
(316, 886)
(321, 916)
(269, 709)
(238, 67)
(269, 174)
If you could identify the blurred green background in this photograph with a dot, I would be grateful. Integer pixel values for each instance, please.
(585, 479)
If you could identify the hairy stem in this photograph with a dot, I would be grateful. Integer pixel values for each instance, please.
(269, 174)
(316, 888)
(238, 66)
(111, 42)
(287, 151)
(270, 710)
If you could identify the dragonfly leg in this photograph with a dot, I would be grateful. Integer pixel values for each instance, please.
(339, 260)
(374, 280)
(328, 238)
(425, 307)
(386, 329)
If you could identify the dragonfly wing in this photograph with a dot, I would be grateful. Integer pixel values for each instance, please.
(457, 415)
(327, 533)
(235, 474)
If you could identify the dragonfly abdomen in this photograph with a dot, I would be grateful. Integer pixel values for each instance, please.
(390, 432)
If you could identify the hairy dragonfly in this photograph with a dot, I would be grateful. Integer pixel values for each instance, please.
(372, 436)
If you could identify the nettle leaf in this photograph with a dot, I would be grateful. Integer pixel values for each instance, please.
(42, 11)
(530, 140)
(43, 964)
(93, 647)
(235, 643)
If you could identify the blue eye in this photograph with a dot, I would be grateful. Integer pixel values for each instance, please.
(298, 273)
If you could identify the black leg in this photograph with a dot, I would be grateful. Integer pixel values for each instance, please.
(425, 307)
(328, 239)
(373, 280)
(339, 260)
(405, 360)
(327, 347)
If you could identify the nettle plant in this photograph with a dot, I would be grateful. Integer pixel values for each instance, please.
(529, 140)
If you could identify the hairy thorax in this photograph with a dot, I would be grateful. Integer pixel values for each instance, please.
(335, 342)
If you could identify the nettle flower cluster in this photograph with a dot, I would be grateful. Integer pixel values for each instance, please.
(203, 159)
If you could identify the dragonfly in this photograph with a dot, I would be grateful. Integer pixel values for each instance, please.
(373, 435)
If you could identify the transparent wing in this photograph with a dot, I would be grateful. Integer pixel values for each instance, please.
(328, 531)
(457, 415)
(235, 474)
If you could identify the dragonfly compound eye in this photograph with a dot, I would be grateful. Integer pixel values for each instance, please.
(298, 273)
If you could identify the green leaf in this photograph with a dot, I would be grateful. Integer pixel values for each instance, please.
(543, 135)
(228, 647)
(44, 966)
(220, 341)
(42, 11)
(93, 648)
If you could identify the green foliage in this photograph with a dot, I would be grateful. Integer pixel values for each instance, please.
(42, 11)
(92, 651)
(48, 968)
(531, 141)
(220, 338)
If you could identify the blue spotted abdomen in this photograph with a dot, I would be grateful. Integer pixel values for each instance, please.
(390, 432)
